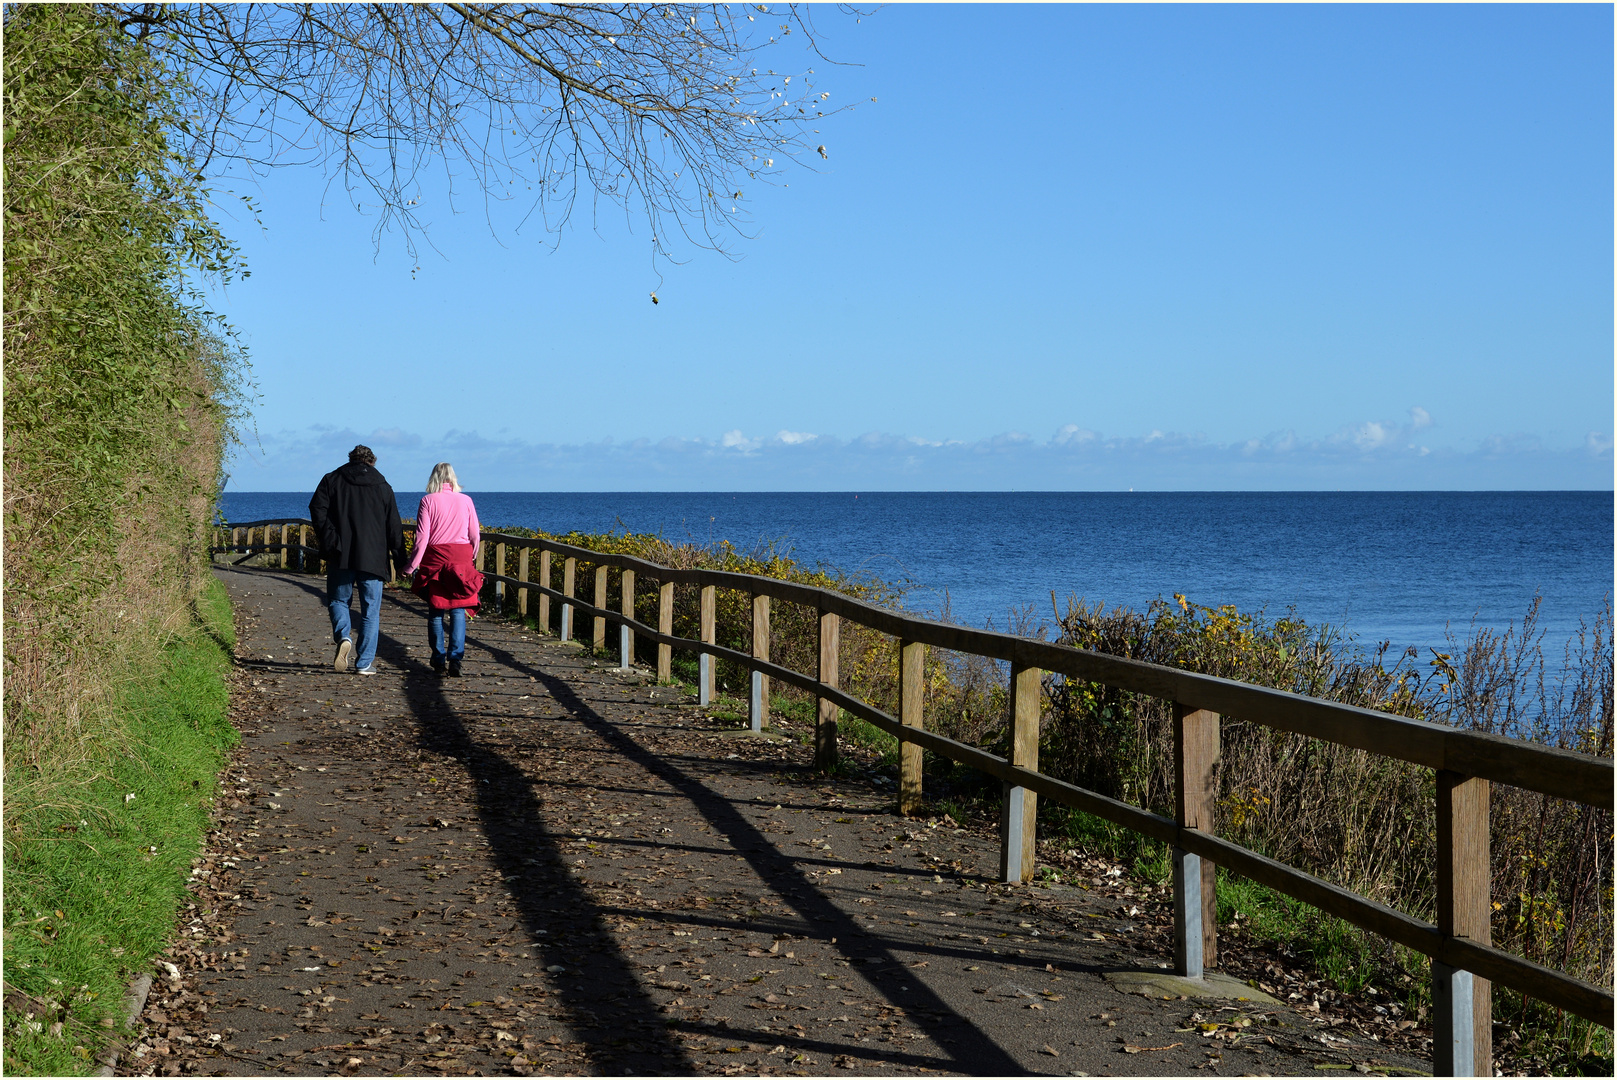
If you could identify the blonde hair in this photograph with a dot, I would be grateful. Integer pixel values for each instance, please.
(443, 475)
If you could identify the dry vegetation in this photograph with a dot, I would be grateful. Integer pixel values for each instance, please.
(120, 390)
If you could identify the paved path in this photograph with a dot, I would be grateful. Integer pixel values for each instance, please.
(551, 867)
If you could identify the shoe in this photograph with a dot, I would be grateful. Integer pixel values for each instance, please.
(340, 661)
(454, 669)
(438, 666)
(366, 670)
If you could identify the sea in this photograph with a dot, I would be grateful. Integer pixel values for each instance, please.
(1407, 568)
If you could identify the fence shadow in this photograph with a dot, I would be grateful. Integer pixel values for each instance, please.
(972, 1049)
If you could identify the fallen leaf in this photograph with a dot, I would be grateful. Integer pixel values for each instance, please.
(1130, 1048)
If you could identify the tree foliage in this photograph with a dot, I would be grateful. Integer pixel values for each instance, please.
(120, 388)
(667, 111)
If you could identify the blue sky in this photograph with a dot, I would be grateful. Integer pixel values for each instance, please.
(1068, 248)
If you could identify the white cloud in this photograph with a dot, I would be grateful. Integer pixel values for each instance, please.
(1072, 434)
(1419, 418)
(1371, 435)
(1372, 455)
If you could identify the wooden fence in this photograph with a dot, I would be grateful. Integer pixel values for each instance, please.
(1465, 965)
(294, 553)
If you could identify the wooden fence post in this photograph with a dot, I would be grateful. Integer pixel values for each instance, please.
(709, 629)
(1019, 814)
(825, 732)
(482, 549)
(759, 711)
(598, 637)
(285, 555)
(569, 573)
(544, 598)
(665, 625)
(1195, 881)
(912, 681)
(499, 586)
(522, 575)
(625, 634)
(1462, 1003)
(303, 542)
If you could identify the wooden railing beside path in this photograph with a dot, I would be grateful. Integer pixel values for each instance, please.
(1465, 963)
(238, 540)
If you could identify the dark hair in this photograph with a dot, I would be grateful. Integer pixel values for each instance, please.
(361, 455)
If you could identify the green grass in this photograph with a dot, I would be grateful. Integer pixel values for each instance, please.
(1348, 957)
(1345, 955)
(93, 878)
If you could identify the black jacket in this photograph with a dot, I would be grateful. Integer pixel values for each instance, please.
(357, 520)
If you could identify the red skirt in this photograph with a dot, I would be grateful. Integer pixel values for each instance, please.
(448, 577)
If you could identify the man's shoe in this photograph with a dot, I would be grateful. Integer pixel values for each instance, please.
(339, 662)
(454, 669)
(438, 666)
(366, 670)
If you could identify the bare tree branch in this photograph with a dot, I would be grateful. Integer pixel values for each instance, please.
(662, 110)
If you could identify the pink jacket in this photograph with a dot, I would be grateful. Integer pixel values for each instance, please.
(444, 517)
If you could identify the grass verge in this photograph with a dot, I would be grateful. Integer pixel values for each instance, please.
(95, 871)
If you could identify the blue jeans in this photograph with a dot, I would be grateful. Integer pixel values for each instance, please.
(339, 588)
(457, 634)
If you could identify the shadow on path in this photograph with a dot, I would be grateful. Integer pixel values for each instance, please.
(601, 990)
(972, 1050)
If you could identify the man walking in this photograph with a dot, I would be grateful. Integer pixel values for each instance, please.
(357, 520)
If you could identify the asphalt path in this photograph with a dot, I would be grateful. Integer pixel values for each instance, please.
(553, 867)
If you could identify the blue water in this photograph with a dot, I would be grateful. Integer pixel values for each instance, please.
(1394, 566)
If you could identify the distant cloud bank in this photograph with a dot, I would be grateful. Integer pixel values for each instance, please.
(1374, 455)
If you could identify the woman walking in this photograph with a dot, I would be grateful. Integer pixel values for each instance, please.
(442, 564)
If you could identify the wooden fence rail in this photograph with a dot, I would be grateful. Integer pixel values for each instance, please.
(1464, 962)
